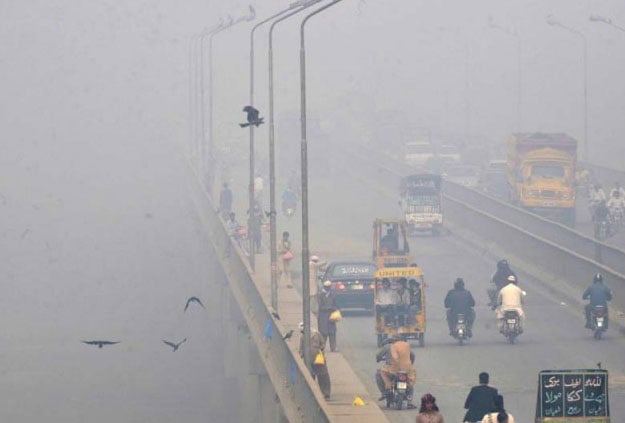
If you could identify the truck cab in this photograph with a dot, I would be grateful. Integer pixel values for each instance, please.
(420, 199)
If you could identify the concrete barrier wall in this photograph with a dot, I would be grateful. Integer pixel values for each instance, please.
(554, 261)
(552, 231)
(288, 375)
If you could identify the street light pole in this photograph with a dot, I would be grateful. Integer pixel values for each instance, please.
(211, 141)
(304, 164)
(273, 242)
(551, 20)
(608, 21)
(272, 208)
(515, 35)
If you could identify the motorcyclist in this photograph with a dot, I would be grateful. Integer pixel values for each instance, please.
(460, 301)
(289, 199)
(511, 298)
(598, 295)
(601, 214)
(499, 279)
(398, 356)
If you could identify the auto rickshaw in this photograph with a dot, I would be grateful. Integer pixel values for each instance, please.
(399, 298)
(390, 243)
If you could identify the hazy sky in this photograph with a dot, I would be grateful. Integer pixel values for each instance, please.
(75, 72)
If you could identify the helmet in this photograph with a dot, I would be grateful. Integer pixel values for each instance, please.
(327, 284)
(502, 264)
(314, 258)
(301, 326)
(459, 283)
(512, 278)
(598, 278)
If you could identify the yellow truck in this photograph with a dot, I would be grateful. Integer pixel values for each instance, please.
(541, 174)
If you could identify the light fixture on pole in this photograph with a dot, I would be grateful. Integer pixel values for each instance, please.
(551, 20)
(608, 21)
(211, 141)
(295, 8)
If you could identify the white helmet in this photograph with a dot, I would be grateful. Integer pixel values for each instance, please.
(327, 283)
(512, 279)
(314, 258)
(301, 326)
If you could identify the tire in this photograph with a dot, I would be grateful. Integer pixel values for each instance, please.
(400, 403)
(598, 334)
(461, 341)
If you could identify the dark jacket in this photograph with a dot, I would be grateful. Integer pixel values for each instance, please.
(327, 304)
(500, 278)
(460, 301)
(598, 293)
(480, 401)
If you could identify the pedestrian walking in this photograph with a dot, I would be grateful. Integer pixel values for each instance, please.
(327, 305)
(286, 255)
(319, 367)
(429, 412)
(313, 270)
(225, 201)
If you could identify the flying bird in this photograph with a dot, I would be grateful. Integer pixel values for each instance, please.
(252, 117)
(100, 344)
(175, 346)
(288, 335)
(193, 299)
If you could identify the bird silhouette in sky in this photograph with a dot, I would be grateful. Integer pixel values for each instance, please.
(252, 117)
(193, 300)
(100, 344)
(175, 346)
(288, 335)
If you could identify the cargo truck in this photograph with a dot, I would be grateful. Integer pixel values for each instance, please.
(541, 174)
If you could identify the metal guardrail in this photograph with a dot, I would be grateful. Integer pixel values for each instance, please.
(288, 374)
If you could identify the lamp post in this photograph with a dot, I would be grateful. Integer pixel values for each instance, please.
(551, 20)
(196, 91)
(514, 34)
(294, 8)
(272, 209)
(231, 22)
(608, 21)
(304, 164)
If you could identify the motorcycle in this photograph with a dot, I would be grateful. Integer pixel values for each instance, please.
(399, 391)
(599, 320)
(511, 325)
(460, 330)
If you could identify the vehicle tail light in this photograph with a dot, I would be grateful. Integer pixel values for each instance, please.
(402, 377)
(340, 286)
(599, 313)
(372, 286)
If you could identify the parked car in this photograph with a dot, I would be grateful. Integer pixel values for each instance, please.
(352, 281)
